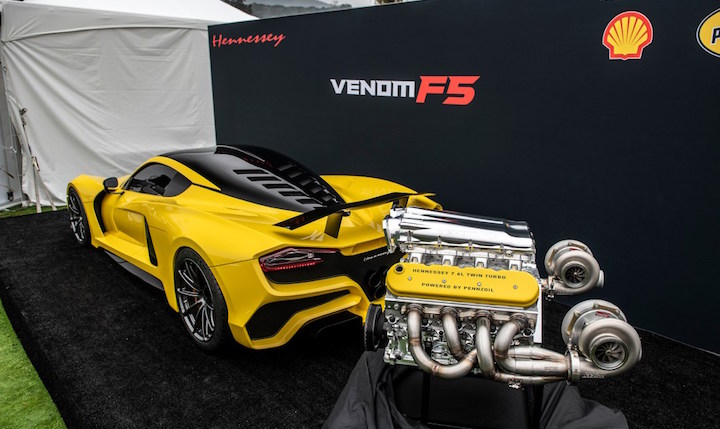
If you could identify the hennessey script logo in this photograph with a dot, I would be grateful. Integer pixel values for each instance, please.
(368, 258)
(219, 40)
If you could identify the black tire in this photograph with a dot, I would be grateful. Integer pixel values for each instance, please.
(201, 304)
(374, 335)
(78, 218)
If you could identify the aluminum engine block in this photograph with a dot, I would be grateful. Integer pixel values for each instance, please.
(467, 298)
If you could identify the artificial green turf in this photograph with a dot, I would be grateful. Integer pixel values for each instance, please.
(21, 211)
(24, 402)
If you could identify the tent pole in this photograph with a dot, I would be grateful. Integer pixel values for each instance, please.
(36, 167)
(36, 177)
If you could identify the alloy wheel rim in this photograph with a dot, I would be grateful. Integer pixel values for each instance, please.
(196, 301)
(76, 218)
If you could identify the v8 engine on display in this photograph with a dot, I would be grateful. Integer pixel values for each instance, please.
(467, 298)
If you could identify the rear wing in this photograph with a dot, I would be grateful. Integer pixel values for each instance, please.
(336, 212)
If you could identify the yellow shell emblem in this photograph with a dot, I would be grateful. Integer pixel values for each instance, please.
(627, 35)
(708, 33)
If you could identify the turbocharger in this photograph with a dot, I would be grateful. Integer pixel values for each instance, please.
(571, 269)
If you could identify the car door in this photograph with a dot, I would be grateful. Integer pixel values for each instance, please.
(127, 213)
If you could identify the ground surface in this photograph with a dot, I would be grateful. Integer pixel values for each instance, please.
(22, 211)
(25, 402)
(113, 354)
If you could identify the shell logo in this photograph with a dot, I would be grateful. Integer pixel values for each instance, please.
(708, 33)
(627, 35)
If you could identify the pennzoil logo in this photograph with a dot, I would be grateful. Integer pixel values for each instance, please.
(627, 35)
(708, 33)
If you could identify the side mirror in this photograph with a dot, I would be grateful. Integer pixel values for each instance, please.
(110, 184)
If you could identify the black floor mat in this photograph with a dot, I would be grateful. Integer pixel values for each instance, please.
(114, 355)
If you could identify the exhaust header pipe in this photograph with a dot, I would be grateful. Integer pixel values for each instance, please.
(603, 347)
(426, 363)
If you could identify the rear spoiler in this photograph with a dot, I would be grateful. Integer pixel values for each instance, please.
(336, 212)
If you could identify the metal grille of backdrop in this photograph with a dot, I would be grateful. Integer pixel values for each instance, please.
(595, 120)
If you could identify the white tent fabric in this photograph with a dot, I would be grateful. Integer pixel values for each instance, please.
(10, 193)
(99, 86)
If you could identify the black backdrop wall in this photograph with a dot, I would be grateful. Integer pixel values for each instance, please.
(619, 153)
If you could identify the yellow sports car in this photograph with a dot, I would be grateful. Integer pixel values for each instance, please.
(245, 242)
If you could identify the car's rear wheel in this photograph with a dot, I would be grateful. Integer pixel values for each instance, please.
(78, 219)
(201, 303)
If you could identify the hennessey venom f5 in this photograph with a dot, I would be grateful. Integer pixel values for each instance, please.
(245, 242)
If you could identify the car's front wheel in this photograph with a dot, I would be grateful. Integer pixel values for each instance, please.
(78, 219)
(201, 303)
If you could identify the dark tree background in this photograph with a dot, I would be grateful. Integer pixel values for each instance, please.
(275, 8)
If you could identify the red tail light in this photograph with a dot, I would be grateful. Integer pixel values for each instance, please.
(293, 257)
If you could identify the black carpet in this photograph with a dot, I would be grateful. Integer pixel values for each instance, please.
(114, 355)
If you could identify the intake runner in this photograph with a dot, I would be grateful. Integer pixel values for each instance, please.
(467, 298)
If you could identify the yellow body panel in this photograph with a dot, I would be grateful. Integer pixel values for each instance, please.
(476, 285)
(230, 234)
(244, 299)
